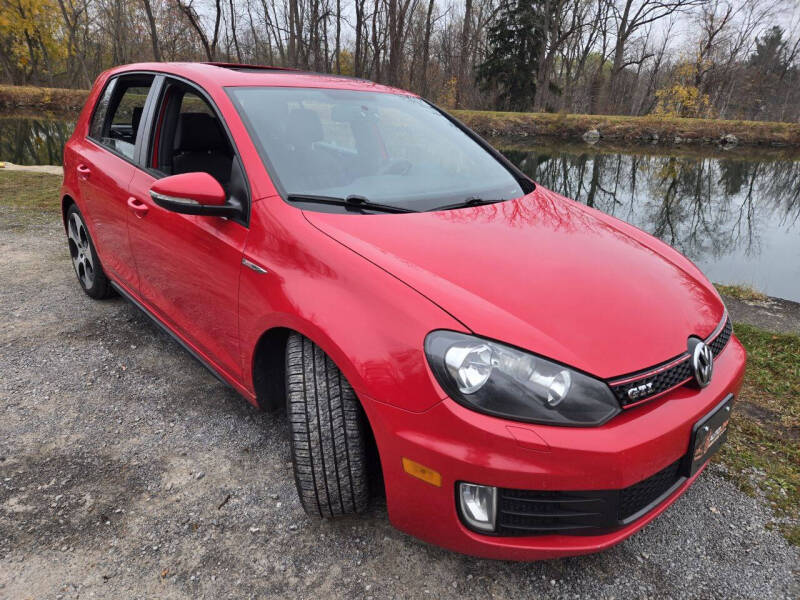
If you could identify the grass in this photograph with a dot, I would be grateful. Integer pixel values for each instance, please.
(741, 292)
(762, 454)
(28, 198)
(56, 100)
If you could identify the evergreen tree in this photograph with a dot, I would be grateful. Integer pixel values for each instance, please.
(514, 42)
(770, 53)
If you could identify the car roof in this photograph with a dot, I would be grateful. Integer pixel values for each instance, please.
(221, 75)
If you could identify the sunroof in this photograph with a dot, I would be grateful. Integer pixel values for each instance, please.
(284, 70)
(244, 67)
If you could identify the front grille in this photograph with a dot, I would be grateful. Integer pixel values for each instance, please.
(718, 343)
(531, 512)
(659, 379)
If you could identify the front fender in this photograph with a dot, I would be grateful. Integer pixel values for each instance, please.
(370, 323)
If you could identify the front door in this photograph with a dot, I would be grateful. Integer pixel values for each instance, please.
(189, 265)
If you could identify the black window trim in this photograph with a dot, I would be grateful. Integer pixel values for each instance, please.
(145, 133)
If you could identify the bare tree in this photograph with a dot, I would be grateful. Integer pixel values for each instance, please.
(628, 18)
(210, 46)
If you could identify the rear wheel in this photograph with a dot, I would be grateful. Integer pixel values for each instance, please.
(87, 265)
(327, 431)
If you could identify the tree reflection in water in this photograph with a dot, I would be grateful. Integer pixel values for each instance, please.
(33, 141)
(713, 209)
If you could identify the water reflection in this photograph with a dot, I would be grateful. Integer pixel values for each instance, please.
(737, 218)
(33, 141)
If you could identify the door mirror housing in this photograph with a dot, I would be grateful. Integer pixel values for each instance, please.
(194, 194)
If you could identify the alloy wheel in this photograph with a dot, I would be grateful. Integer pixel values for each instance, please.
(80, 251)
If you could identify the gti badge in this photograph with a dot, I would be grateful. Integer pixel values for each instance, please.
(702, 364)
(640, 390)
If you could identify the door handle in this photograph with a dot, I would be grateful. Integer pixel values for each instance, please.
(83, 172)
(137, 207)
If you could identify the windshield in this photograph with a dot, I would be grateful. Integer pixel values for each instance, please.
(390, 149)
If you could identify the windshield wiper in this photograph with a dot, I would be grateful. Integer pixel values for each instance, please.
(467, 203)
(352, 202)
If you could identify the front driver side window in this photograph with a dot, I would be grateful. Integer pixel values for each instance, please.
(189, 137)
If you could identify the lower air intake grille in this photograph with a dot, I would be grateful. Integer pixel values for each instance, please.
(530, 512)
(640, 495)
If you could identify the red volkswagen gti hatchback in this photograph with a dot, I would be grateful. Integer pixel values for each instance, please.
(536, 379)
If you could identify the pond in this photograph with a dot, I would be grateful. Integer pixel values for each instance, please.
(735, 214)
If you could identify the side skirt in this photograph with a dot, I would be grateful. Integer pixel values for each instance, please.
(172, 334)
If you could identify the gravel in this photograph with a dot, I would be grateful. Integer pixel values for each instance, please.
(128, 471)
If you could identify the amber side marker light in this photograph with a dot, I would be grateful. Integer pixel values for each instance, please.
(422, 472)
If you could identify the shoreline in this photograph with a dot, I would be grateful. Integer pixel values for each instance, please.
(657, 131)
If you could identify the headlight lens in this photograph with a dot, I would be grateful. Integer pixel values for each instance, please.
(500, 380)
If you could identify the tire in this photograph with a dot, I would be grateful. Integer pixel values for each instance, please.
(328, 433)
(92, 278)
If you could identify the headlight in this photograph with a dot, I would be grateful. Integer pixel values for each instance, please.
(500, 380)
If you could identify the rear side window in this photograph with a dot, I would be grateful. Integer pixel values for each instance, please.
(118, 115)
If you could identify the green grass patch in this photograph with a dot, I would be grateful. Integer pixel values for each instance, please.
(741, 292)
(763, 448)
(28, 198)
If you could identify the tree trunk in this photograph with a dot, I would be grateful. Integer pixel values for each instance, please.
(153, 31)
(358, 64)
(463, 53)
(233, 32)
(292, 46)
(426, 48)
(338, 35)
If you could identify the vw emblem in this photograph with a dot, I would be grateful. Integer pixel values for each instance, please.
(702, 364)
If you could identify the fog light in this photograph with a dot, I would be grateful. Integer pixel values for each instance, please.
(478, 505)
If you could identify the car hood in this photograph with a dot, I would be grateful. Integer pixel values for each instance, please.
(546, 274)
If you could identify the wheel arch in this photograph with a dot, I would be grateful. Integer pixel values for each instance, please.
(66, 201)
(269, 352)
(269, 382)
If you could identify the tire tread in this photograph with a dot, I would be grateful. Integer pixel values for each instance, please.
(327, 433)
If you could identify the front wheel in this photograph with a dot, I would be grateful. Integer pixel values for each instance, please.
(327, 431)
(87, 265)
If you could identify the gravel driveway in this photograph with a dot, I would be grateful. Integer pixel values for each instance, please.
(128, 471)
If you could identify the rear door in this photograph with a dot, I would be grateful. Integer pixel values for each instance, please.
(106, 167)
(189, 265)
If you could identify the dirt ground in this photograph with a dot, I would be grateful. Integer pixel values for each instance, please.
(128, 471)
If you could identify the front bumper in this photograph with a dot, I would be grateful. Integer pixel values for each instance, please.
(463, 445)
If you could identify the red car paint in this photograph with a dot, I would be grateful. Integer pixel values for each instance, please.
(198, 186)
(541, 272)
